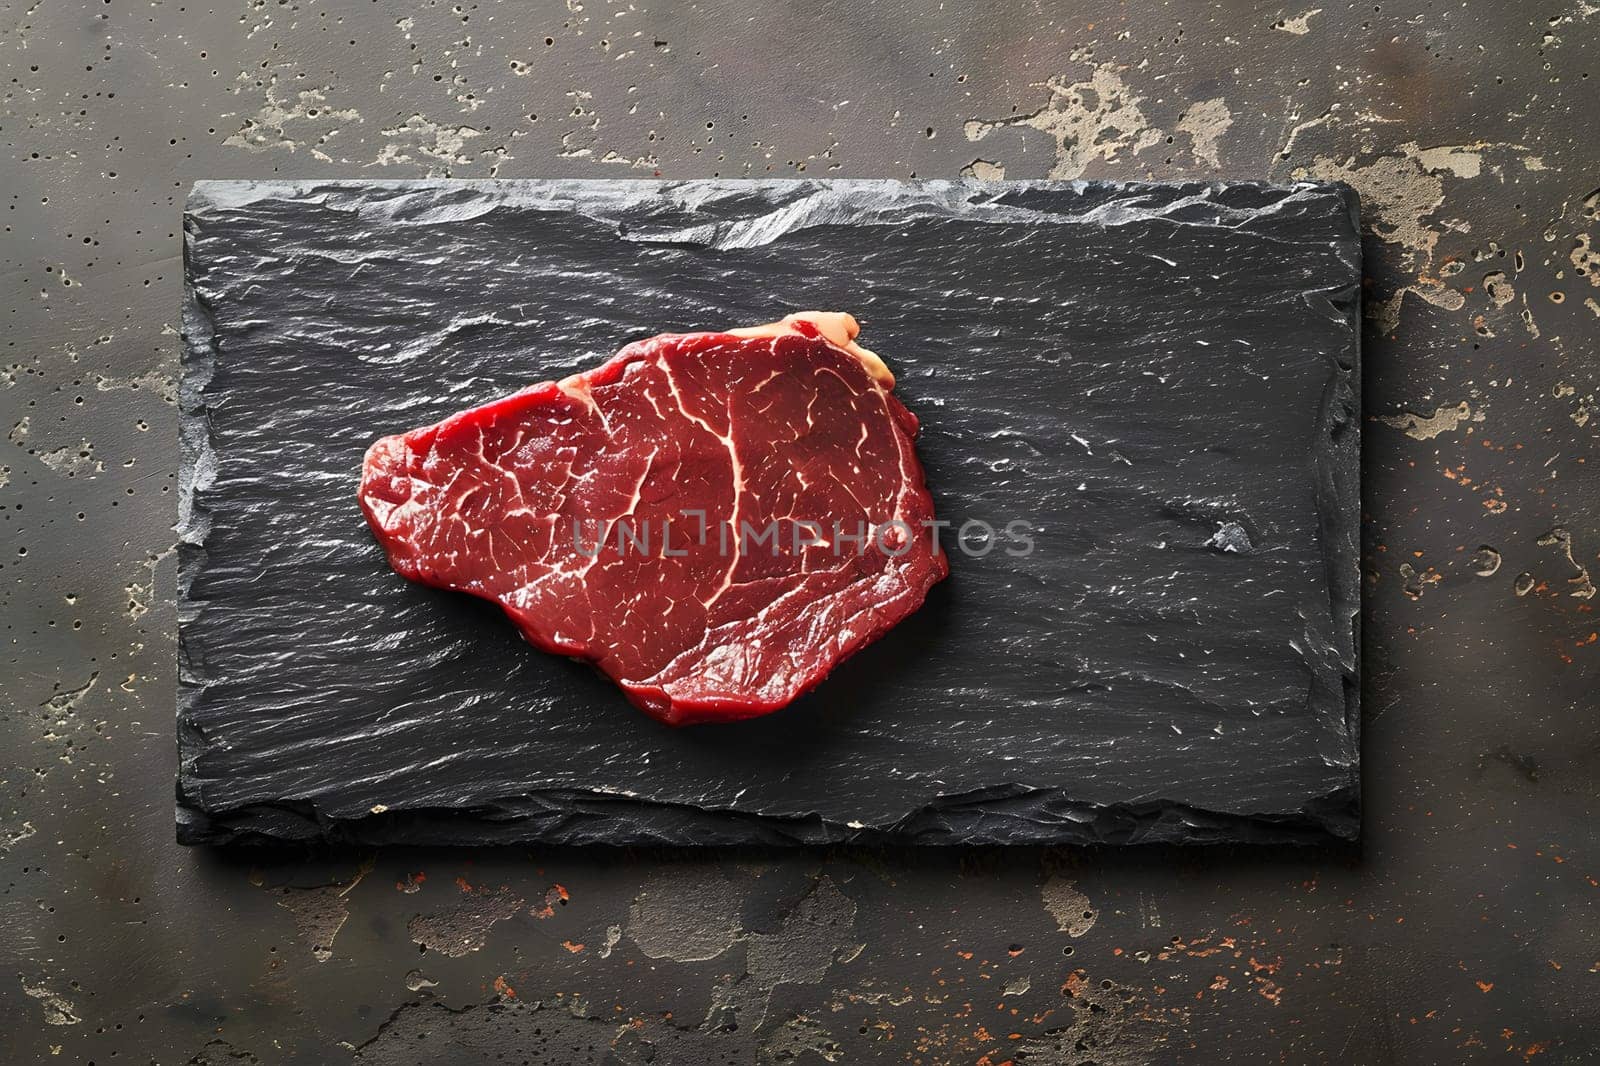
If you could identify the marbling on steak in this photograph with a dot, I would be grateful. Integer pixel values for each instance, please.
(762, 429)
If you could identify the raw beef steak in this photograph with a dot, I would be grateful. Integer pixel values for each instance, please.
(713, 519)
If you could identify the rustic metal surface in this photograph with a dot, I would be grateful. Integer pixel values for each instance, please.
(1465, 931)
(1156, 384)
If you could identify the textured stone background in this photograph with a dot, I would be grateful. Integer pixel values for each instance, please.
(1466, 930)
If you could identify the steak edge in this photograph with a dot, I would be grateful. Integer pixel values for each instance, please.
(714, 520)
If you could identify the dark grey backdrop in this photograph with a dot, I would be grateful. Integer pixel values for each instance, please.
(1466, 930)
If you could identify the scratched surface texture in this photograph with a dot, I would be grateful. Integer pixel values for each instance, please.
(1465, 930)
(1157, 381)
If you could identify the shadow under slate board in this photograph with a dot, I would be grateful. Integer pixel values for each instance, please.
(1161, 381)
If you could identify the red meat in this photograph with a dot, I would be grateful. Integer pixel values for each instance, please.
(715, 520)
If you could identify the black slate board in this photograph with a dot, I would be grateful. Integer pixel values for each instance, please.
(1161, 379)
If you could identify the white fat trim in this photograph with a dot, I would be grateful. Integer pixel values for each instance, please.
(839, 328)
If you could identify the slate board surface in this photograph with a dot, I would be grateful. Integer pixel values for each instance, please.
(1161, 380)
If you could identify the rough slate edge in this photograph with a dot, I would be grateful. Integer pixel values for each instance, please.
(1004, 815)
